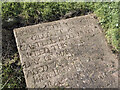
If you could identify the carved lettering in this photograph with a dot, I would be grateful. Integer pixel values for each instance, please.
(51, 53)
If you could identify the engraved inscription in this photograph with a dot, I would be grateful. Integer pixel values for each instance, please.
(52, 54)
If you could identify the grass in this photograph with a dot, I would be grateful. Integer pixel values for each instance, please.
(108, 14)
(12, 74)
(33, 13)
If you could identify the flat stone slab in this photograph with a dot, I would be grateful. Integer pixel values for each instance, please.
(66, 53)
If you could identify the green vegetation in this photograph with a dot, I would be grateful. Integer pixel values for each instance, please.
(32, 13)
(108, 14)
(13, 76)
(22, 14)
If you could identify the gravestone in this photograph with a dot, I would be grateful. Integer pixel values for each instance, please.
(66, 53)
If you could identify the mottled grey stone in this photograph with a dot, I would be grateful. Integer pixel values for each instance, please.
(66, 53)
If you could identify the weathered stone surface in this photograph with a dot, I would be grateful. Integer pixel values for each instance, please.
(66, 53)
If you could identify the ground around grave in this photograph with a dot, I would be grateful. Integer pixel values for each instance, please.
(108, 14)
(85, 61)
